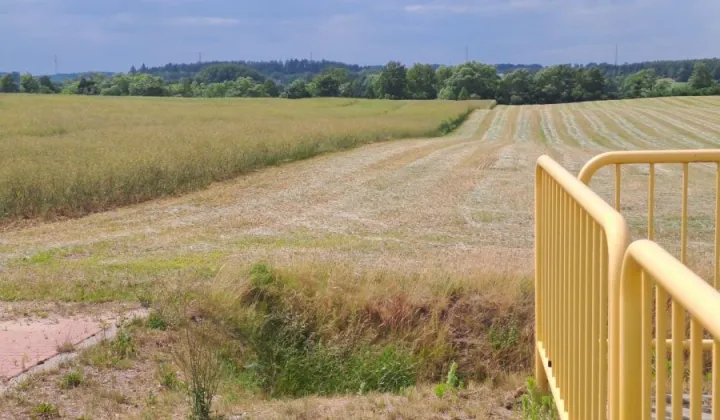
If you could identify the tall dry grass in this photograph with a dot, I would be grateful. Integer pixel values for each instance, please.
(68, 156)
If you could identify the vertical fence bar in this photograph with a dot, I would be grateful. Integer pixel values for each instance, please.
(603, 321)
(563, 300)
(660, 352)
(678, 356)
(540, 220)
(683, 235)
(646, 361)
(651, 203)
(696, 367)
(618, 170)
(572, 301)
(630, 342)
(557, 210)
(554, 274)
(580, 315)
(716, 346)
(595, 331)
(587, 317)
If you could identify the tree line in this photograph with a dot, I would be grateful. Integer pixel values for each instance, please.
(471, 80)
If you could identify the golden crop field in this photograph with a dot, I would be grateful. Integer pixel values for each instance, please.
(67, 156)
(346, 285)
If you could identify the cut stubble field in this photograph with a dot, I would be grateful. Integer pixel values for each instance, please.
(425, 245)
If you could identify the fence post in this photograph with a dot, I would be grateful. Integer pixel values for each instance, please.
(541, 378)
(630, 377)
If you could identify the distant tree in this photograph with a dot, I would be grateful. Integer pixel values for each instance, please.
(257, 90)
(421, 82)
(87, 87)
(448, 94)
(463, 95)
(516, 88)
(639, 85)
(442, 74)
(219, 73)
(113, 90)
(350, 89)
(46, 85)
(133, 71)
(392, 82)
(8, 85)
(297, 90)
(477, 78)
(557, 84)
(143, 68)
(122, 82)
(146, 85)
(662, 88)
(271, 88)
(593, 84)
(29, 84)
(701, 77)
(325, 85)
(369, 86)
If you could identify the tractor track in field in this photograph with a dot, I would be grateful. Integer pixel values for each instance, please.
(395, 203)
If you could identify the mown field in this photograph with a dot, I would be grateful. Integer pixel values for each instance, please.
(345, 286)
(69, 156)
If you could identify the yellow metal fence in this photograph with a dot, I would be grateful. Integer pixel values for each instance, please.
(581, 291)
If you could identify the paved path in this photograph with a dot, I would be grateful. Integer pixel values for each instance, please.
(25, 343)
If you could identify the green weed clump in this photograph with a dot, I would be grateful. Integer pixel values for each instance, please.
(45, 411)
(536, 405)
(71, 380)
(69, 156)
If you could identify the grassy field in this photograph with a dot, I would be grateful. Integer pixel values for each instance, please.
(69, 156)
(346, 285)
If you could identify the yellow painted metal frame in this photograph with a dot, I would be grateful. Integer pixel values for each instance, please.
(576, 233)
(647, 263)
(580, 239)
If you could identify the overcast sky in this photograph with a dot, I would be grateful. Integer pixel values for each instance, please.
(112, 35)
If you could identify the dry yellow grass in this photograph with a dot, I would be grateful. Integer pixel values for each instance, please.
(406, 232)
(71, 155)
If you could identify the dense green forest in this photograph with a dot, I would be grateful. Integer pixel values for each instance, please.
(295, 79)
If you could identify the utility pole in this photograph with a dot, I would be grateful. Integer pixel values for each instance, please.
(616, 59)
(200, 57)
(311, 56)
(56, 63)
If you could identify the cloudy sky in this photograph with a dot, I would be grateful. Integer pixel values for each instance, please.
(111, 35)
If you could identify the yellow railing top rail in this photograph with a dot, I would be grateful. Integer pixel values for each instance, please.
(691, 291)
(647, 157)
(603, 213)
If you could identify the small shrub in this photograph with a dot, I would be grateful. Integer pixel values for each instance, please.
(116, 353)
(71, 380)
(453, 382)
(503, 337)
(199, 359)
(145, 298)
(156, 321)
(45, 411)
(537, 406)
(168, 378)
(123, 345)
(261, 275)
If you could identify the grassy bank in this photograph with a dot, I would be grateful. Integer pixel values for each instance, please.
(324, 330)
(69, 156)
